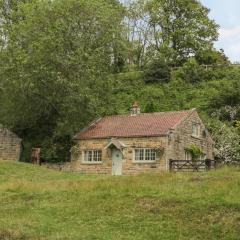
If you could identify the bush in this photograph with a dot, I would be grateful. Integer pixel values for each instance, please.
(158, 71)
(227, 140)
(193, 72)
(195, 152)
(211, 57)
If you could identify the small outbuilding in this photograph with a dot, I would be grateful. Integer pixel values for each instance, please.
(10, 145)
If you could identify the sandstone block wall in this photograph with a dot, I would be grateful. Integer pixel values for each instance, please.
(181, 138)
(10, 145)
(128, 166)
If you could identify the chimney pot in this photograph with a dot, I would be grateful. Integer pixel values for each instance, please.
(135, 109)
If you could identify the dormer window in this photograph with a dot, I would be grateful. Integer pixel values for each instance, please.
(196, 130)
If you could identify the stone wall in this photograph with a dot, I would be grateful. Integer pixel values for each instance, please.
(10, 145)
(61, 166)
(181, 138)
(128, 166)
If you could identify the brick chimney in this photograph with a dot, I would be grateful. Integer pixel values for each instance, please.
(135, 109)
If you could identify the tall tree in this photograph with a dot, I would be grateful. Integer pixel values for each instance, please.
(170, 30)
(56, 60)
(138, 31)
(181, 28)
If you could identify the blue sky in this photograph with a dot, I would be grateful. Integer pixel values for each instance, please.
(226, 13)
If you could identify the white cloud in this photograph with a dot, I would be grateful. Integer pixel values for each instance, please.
(229, 40)
(226, 14)
(229, 32)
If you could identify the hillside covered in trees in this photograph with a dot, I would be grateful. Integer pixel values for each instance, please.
(65, 63)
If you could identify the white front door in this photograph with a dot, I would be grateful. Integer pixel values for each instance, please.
(116, 162)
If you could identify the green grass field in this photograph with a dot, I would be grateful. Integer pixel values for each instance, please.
(37, 203)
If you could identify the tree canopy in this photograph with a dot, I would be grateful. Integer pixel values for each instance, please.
(56, 59)
(65, 63)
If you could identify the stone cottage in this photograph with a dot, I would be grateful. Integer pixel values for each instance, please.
(10, 145)
(139, 142)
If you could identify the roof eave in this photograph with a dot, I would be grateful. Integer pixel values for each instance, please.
(133, 136)
(75, 137)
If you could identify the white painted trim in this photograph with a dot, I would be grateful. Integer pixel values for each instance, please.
(93, 162)
(143, 161)
(197, 137)
(197, 127)
(112, 143)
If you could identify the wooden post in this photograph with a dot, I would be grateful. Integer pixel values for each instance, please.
(208, 164)
(35, 156)
(170, 165)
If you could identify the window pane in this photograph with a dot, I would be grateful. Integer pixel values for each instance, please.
(95, 156)
(99, 156)
(196, 129)
(141, 154)
(153, 154)
(202, 157)
(89, 156)
(137, 154)
(148, 154)
(145, 154)
(188, 156)
(85, 156)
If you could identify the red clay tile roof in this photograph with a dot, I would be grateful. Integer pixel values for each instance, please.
(146, 124)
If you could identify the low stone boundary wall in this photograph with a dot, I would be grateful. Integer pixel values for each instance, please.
(62, 166)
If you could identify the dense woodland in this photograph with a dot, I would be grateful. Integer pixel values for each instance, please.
(65, 63)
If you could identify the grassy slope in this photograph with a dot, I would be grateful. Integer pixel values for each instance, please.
(36, 203)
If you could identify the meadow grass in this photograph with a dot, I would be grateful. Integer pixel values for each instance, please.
(38, 203)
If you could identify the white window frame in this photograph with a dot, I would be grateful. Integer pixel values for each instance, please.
(144, 155)
(196, 130)
(94, 153)
(202, 157)
(188, 156)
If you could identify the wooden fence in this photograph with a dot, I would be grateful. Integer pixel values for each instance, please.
(191, 166)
